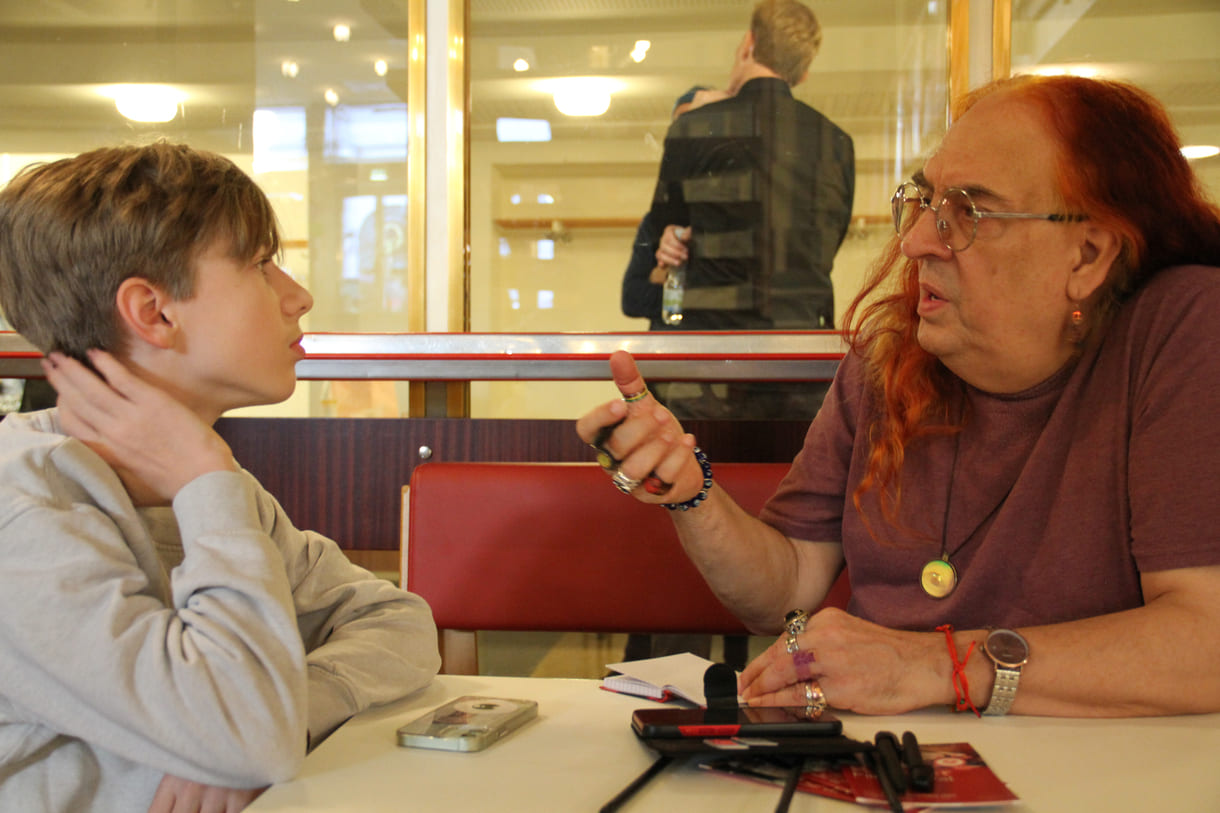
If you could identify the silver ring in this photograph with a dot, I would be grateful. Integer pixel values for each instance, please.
(795, 621)
(792, 644)
(624, 483)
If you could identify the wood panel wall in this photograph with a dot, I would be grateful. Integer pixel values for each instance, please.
(343, 477)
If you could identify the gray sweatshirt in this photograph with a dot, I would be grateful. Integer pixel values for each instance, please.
(205, 640)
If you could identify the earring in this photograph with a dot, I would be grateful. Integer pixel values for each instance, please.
(1077, 320)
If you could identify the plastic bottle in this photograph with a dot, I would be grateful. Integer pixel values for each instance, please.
(671, 295)
(675, 286)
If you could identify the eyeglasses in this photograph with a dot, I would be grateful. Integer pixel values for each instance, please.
(957, 218)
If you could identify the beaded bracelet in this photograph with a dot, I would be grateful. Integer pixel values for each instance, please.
(701, 458)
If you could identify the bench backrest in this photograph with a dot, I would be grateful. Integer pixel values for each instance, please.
(553, 546)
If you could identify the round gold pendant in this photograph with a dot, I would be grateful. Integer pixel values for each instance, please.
(938, 578)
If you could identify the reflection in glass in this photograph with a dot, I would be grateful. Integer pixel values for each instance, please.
(317, 116)
(880, 74)
(1168, 48)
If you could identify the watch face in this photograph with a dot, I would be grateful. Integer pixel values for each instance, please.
(1007, 648)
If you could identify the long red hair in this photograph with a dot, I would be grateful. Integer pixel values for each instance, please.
(1121, 164)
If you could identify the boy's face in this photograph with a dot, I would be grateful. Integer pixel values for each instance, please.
(240, 333)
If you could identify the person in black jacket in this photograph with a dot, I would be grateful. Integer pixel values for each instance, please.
(754, 196)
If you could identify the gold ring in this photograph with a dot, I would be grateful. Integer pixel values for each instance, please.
(815, 699)
(631, 399)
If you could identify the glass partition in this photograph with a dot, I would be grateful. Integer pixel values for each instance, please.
(313, 99)
(1168, 48)
(309, 98)
(557, 196)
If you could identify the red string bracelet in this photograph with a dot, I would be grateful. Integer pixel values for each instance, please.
(961, 686)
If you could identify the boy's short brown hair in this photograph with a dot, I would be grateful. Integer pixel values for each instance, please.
(787, 37)
(72, 230)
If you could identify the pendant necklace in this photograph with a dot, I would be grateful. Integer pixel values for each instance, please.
(939, 577)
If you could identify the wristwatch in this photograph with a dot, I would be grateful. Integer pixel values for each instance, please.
(1009, 651)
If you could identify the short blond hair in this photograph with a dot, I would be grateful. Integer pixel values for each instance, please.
(787, 37)
(72, 230)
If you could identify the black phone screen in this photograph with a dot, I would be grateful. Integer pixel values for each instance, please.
(747, 721)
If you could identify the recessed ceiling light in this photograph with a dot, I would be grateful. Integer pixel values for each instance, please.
(342, 32)
(1194, 152)
(146, 103)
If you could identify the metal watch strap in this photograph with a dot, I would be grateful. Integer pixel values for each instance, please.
(1003, 692)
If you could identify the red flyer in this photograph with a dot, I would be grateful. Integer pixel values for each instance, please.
(963, 779)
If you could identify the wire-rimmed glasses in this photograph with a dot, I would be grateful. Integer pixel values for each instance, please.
(957, 218)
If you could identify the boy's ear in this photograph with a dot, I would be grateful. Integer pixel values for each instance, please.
(141, 307)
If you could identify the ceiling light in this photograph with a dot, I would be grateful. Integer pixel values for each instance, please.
(1194, 152)
(1083, 71)
(380, 67)
(641, 50)
(342, 32)
(521, 65)
(331, 97)
(146, 103)
(581, 96)
(572, 102)
(289, 68)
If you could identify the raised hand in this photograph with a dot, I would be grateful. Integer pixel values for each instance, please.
(155, 443)
(639, 443)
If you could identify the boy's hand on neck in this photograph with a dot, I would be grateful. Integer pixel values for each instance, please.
(152, 441)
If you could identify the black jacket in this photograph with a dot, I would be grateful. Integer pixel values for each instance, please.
(767, 184)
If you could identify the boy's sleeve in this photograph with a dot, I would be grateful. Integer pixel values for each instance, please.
(366, 641)
(209, 686)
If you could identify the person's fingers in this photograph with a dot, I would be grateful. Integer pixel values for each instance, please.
(119, 378)
(753, 669)
(676, 476)
(74, 381)
(672, 250)
(792, 694)
(589, 424)
(774, 669)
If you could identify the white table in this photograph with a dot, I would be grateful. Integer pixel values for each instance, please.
(580, 752)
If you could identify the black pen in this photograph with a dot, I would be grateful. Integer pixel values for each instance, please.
(922, 776)
(637, 783)
(873, 763)
(891, 761)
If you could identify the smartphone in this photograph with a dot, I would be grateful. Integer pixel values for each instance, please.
(469, 723)
(746, 721)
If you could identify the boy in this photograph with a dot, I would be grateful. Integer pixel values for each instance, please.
(168, 640)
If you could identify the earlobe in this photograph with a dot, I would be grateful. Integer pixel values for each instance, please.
(142, 310)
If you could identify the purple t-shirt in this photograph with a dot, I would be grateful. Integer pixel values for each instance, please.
(1061, 495)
